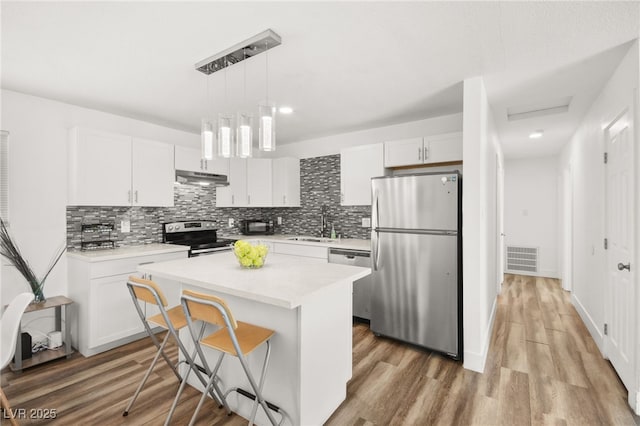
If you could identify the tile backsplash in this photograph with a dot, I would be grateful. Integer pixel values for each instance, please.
(319, 186)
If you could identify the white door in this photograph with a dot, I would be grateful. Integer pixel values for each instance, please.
(234, 195)
(500, 223)
(620, 344)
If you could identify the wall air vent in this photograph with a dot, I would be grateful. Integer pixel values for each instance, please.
(522, 259)
(538, 109)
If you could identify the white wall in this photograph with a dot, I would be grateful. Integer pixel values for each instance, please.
(38, 176)
(531, 209)
(583, 156)
(332, 144)
(481, 157)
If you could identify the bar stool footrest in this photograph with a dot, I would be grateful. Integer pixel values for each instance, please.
(252, 397)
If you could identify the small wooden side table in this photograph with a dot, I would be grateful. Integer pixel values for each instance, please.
(56, 302)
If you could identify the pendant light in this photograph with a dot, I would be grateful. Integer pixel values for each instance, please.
(206, 137)
(225, 126)
(206, 134)
(267, 114)
(244, 136)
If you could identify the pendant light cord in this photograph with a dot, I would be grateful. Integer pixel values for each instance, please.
(266, 62)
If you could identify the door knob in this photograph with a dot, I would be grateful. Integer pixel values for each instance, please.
(622, 266)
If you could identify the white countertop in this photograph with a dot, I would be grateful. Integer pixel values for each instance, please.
(344, 243)
(126, 252)
(284, 280)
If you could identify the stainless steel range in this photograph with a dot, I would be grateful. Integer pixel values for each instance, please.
(200, 235)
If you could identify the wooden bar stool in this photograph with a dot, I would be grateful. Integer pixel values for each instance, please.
(171, 320)
(234, 338)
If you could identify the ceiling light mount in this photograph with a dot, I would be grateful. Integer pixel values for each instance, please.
(251, 47)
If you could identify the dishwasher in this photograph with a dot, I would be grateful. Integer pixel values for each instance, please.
(362, 287)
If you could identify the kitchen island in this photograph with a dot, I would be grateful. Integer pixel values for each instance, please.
(309, 306)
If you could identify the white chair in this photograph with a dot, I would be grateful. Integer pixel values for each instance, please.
(9, 334)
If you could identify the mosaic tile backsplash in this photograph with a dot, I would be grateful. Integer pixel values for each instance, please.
(319, 187)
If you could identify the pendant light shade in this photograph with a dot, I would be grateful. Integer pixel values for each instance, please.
(225, 136)
(244, 137)
(267, 135)
(206, 137)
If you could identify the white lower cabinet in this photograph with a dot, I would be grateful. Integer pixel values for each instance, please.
(107, 317)
(112, 308)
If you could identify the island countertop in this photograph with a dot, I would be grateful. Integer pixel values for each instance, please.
(283, 281)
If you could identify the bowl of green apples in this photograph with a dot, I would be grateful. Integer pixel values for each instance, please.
(250, 256)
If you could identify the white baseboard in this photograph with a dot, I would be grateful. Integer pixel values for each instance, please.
(594, 329)
(473, 360)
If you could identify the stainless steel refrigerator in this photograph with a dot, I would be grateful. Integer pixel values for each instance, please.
(416, 249)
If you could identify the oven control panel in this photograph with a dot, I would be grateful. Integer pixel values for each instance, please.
(201, 225)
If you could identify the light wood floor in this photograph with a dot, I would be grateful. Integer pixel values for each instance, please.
(542, 368)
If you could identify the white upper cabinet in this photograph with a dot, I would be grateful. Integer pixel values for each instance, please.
(259, 186)
(443, 148)
(99, 168)
(235, 194)
(428, 150)
(107, 169)
(403, 152)
(286, 182)
(153, 173)
(357, 166)
(191, 159)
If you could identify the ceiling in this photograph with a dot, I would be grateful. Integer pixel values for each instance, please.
(342, 66)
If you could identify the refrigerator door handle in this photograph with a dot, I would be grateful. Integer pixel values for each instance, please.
(374, 232)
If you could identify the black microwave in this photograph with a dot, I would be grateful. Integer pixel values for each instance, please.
(256, 227)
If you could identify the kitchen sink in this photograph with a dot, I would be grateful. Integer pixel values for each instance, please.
(311, 239)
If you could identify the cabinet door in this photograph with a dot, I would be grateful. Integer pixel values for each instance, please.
(99, 168)
(219, 166)
(259, 186)
(357, 166)
(188, 159)
(443, 148)
(153, 173)
(403, 152)
(286, 182)
(234, 195)
(112, 314)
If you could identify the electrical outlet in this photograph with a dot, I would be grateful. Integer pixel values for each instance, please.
(125, 226)
(366, 222)
(279, 220)
(231, 222)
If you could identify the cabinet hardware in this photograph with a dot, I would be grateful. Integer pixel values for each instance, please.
(426, 153)
(136, 195)
(248, 199)
(201, 167)
(129, 196)
(232, 199)
(622, 266)
(206, 164)
(284, 199)
(419, 154)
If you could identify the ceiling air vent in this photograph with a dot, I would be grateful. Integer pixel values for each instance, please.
(522, 259)
(548, 107)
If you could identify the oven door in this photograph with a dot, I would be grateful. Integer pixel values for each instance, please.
(209, 251)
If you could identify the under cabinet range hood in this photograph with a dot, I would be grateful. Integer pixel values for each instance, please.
(201, 178)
